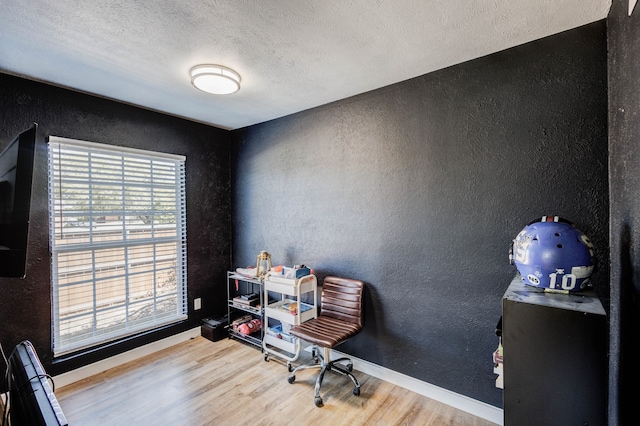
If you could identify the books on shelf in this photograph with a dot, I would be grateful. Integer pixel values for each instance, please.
(246, 300)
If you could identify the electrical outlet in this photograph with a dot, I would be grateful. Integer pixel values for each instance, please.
(197, 304)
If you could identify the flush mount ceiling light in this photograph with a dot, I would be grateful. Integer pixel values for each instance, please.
(215, 79)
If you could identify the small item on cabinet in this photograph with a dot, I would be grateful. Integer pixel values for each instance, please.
(295, 273)
(263, 264)
(249, 271)
(293, 308)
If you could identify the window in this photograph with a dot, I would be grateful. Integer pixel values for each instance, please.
(118, 242)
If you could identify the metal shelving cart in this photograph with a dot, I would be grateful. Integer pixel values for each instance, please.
(240, 305)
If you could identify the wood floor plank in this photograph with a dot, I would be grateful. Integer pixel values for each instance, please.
(200, 382)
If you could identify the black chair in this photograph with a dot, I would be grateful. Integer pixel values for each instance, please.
(341, 317)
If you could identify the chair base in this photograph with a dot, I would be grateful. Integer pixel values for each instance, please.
(324, 366)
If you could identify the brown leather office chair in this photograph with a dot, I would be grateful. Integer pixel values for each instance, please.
(341, 317)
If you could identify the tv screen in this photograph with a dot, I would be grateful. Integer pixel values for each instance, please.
(16, 175)
(32, 401)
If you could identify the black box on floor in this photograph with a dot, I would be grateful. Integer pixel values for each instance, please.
(214, 329)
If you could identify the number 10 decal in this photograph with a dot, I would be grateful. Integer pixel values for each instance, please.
(568, 281)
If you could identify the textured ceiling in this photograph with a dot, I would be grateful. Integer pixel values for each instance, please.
(292, 54)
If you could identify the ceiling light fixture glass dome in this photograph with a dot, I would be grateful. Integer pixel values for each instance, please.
(215, 79)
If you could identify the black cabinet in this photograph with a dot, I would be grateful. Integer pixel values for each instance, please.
(555, 357)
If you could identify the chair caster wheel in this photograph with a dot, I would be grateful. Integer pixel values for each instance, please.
(318, 401)
(289, 367)
(291, 379)
(350, 368)
(266, 358)
(356, 391)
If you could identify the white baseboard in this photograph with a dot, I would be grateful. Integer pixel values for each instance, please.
(461, 402)
(116, 360)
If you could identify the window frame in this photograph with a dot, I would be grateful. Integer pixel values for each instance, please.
(159, 242)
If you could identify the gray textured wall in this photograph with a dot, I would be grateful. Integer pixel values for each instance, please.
(624, 151)
(25, 308)
(418, 189)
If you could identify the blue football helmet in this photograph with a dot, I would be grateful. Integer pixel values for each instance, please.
(551, 253)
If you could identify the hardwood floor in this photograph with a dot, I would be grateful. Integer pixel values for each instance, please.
(200, 382)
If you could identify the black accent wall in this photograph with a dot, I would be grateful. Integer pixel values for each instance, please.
(418, 189)
(25, 304)
(624, 165)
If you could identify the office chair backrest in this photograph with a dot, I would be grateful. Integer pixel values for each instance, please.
(342, 298)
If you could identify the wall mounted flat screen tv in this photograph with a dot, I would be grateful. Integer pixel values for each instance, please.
(16, 176)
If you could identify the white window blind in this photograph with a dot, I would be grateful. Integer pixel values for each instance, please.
(118, 242)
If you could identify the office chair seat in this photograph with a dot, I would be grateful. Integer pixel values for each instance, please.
(341, 318)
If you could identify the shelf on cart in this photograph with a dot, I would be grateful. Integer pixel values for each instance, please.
(248, 308)
(247, 337)
(283, 306)
(277, 332)
(280, 311)
(238, 276)
(291, 347)
(288, 285)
